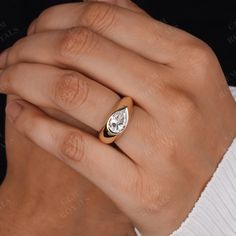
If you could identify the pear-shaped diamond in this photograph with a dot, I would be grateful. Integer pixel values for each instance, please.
(118, 121)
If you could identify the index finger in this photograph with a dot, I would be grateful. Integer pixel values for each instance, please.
(138, 32)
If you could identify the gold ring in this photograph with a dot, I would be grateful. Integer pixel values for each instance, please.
(117, 121)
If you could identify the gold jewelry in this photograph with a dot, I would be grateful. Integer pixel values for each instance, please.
(117, 121)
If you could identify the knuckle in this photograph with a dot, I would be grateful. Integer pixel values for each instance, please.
(70, 91)
(154, 202)
(100, 16)
(152, 198)
(77, 41)
(72, 147)
(182, 106)
(197, 54)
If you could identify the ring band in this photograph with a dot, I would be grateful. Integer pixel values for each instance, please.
(117, 121)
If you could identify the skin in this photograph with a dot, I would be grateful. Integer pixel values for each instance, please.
(32, 191)
(39, 187)
(183, 119)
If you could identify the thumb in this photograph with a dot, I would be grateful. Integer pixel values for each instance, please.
(123, 3)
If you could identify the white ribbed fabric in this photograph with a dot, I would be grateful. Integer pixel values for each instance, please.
(137, 232)
(233, 91)
(215, 211)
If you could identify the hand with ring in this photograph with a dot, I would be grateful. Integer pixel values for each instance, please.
(157, 93)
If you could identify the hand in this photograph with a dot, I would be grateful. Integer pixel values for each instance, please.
(41, 196)
(40, 188)
(183, 118)
(40, 185)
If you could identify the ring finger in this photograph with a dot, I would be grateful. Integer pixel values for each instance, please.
(74, 94)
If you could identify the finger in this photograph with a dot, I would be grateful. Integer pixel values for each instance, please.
(146, 36)
(75, 95)
(105, 166)
(97, 57)
(68, 91)
(123, 3)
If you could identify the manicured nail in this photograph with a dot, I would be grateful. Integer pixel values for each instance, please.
(3, 58)
(13, 110)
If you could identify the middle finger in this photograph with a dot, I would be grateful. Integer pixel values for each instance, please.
(119, 69)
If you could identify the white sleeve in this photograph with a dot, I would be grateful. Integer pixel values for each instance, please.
(215, 211)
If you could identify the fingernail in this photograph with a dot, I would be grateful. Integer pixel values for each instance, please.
(32, 27)
(3, 58)
(13, 110)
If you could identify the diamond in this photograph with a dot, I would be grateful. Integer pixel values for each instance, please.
(118, 121)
